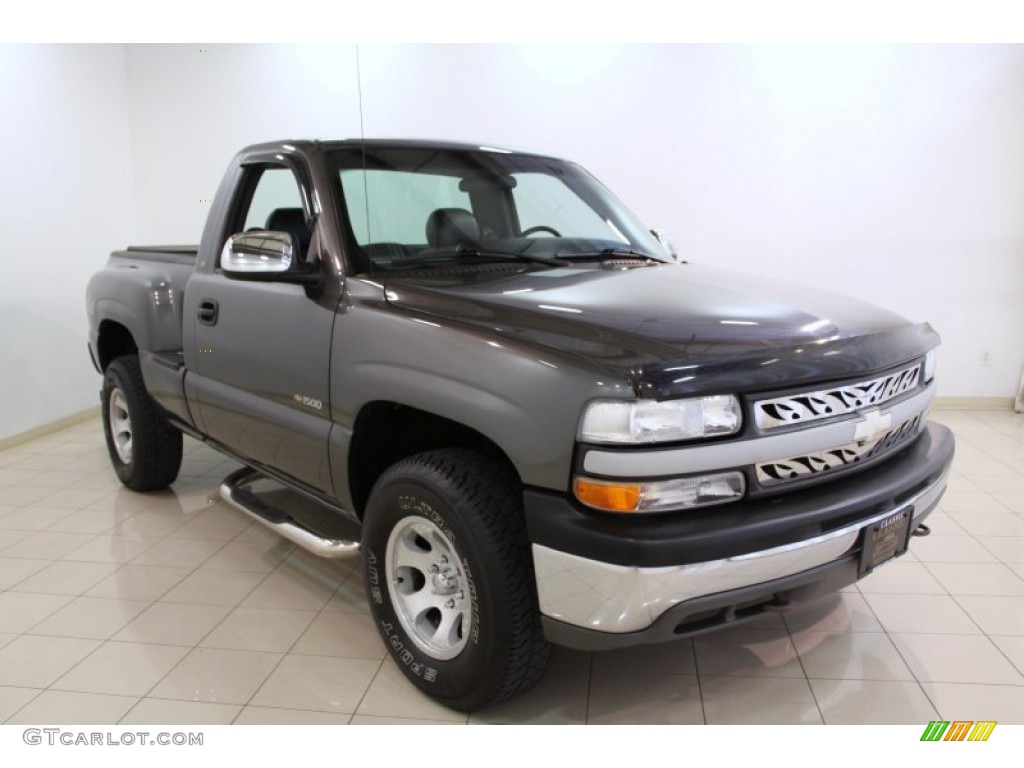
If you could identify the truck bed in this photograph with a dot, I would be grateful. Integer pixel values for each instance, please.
(174, 254)
(149, 276)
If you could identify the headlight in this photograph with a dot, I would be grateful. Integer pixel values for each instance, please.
(929, 366)
(651, 421)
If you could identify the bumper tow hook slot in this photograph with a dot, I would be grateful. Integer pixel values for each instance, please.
(921, 530)
(780, 604)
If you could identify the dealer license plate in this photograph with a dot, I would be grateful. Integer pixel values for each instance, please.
(885, 540)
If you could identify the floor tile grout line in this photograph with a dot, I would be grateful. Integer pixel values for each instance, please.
(99, 646)
(803, 669)
(28, 629)
(39, 692)
(14, 587)
(285, 654)
(700, 687)
(118, 569)
(817, 702)
(362, 698)
(1018, 666)
(789, 629)
(212, 630)
(82, 693)
(590, 687)
(700, 681)
(903, 658)
(159, 599)
(102, 643)
(323, 608)
(989, 635)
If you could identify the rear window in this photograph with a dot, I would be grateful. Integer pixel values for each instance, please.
(393, 206)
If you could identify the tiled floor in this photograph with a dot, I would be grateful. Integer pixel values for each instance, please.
(117, 607)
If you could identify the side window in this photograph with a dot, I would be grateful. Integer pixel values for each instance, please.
(276, 189)
(276, 205)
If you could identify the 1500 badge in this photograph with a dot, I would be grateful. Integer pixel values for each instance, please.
(309, 402)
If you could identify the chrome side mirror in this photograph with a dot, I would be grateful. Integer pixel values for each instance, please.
(666, 242)
(256, 255)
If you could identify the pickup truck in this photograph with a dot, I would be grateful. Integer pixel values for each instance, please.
(535, 424)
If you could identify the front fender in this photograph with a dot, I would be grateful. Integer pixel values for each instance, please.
(526, 401)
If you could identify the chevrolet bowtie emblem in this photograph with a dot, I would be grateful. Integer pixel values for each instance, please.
(871, 426)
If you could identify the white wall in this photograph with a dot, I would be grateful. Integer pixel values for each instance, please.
(65, 184)
(895, 174)
(892, 174)
(192, 110)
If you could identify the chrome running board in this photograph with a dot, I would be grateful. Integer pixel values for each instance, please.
(235, 491)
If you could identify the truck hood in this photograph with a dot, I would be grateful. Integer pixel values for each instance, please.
(673, 329)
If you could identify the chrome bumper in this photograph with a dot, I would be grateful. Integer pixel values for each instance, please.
(610, 598)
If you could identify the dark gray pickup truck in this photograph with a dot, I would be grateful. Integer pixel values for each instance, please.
(531, 420)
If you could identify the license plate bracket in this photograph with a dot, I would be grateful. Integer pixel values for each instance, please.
(884, 540)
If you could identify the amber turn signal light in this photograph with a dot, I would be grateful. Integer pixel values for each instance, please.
(611, 497)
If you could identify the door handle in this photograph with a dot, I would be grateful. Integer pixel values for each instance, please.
(208, 311)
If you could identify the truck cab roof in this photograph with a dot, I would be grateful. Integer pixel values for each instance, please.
(292, 145)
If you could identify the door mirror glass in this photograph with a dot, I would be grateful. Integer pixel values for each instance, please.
(258, 254)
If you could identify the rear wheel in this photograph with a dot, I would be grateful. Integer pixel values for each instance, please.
(144, 449)
(450, 578)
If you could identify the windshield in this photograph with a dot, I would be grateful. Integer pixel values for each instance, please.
(424, 206)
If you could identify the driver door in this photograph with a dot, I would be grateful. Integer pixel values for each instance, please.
(263, 348)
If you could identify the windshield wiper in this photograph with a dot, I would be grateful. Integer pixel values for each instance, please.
(477, 253)
(618, 253)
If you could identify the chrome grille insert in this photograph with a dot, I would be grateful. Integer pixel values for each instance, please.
(826, 403)
(800, 467)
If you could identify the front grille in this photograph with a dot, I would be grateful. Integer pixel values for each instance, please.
(771, 473)
(835, 401)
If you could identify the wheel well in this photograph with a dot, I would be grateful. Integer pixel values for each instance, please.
(113, 341)
(388, 432)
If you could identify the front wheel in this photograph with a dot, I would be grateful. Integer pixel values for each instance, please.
(450, 578)
(144, 449)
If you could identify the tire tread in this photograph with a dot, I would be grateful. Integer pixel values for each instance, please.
(491, 494)
(157, 446)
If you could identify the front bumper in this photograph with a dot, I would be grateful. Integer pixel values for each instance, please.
(606, 582)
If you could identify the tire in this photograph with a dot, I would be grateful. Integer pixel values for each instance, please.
(144, 449)
(469, 634)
